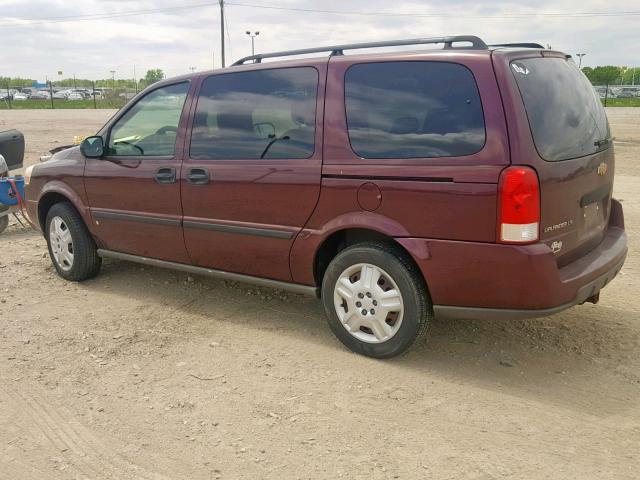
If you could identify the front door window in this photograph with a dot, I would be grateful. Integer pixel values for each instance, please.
(149, 128)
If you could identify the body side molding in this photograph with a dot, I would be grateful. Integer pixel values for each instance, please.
(236, 277)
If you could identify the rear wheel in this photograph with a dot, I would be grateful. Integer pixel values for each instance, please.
(72, 250)
(375, 299)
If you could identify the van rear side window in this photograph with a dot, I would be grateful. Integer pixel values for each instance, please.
(413, 110)
(566, 117)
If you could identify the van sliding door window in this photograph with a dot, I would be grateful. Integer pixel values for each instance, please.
(413, 110)
(262, 114)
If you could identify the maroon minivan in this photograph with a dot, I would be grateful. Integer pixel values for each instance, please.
(471, 181)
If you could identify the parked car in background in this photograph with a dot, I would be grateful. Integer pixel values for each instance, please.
(75, 96)
(41, 95)
(62, 95)
(628, 92)
(395, 186)
(602, 92)
(20, 96)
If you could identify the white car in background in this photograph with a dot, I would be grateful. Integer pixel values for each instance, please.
(41, 95)
(20, 96)
(75, 96)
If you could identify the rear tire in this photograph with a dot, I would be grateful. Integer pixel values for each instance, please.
(71, 247)
(376, 300)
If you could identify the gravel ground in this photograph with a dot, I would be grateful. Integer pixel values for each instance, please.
(144, 373)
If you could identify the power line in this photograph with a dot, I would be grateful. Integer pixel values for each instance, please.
(98, 16)
(226, 24)
(17, 22)
(437, 15)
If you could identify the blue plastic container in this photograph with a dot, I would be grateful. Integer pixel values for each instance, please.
(7, 195)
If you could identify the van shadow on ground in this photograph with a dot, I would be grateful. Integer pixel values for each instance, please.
(549, 359)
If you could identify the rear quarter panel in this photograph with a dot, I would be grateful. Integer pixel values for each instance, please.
(562, 183)
(451, 198)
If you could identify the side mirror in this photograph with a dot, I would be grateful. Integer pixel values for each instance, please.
(92, 147)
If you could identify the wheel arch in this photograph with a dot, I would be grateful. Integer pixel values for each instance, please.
(56, 192)
(45, 203)
(340, 239)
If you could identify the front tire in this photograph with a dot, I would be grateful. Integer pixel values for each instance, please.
(71, 248)
(375, 300)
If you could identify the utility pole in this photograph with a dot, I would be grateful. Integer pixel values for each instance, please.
(222, 30)
(580, 55)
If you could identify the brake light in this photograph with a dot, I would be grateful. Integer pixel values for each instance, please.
(518, 205)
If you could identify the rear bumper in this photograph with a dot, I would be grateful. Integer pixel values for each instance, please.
(587, 291)
(488, 281)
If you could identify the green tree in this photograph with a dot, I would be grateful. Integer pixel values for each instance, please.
(588, 71)
(15, 82)
(153, 76)
(631, 75)
(606, 75)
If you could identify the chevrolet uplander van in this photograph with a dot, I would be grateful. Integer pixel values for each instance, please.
(471, 181)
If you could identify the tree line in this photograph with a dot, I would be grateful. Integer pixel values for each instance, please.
(612, 75)
(151, 77)
(603, 75)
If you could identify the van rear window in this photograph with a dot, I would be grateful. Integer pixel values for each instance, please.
(566, 117)
(413, 110)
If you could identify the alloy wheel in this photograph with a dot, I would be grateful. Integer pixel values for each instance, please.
(61, 243)
(368, 303)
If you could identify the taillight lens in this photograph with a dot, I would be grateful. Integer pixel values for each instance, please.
(518, 205)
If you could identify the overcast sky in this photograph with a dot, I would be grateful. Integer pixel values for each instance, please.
(35, 45)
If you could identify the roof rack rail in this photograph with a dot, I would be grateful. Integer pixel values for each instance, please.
(523, 45)
(476, 44)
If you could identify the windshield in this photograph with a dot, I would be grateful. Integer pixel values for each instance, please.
(566, 117)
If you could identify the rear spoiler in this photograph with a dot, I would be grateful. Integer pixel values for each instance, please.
(518, 45)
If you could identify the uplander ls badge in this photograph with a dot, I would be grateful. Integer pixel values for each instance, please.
(558, 226)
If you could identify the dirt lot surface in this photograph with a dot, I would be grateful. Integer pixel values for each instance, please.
(144, 373)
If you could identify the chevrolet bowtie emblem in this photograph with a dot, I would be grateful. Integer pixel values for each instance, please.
(602, 169)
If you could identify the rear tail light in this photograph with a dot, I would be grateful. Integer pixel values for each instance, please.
(518, 205)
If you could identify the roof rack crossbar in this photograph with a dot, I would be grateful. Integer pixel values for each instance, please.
(476, 44)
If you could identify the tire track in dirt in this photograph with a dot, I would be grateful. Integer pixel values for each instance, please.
(84, 452)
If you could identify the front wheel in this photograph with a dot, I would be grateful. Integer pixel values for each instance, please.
(71, 247)
(375, 299)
